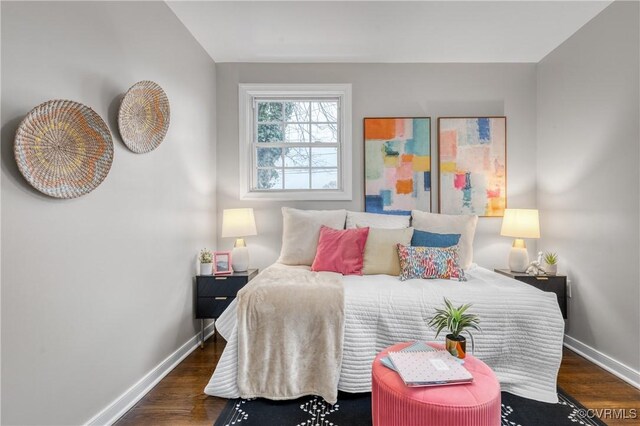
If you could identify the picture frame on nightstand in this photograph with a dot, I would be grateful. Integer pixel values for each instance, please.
(222, 263)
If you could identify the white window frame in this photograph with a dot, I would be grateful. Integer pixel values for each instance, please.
(247, 93)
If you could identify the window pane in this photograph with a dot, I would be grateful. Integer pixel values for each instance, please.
(270, 133)
(296, 133)
(324, 111)
(324, 132)
(296, 111)
(324, 157)
(296, 157)
(269, 179)
(269, 111)
(269, 157)
(324, 178)
(296, 178)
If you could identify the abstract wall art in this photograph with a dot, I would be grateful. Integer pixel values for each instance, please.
(397, 155)
(472, 160)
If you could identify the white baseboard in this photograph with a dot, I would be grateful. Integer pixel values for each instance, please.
(613, 366)
(129, 398)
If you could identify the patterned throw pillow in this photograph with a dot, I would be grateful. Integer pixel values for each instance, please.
(429, 262)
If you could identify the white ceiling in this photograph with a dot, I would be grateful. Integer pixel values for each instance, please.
(383, 31)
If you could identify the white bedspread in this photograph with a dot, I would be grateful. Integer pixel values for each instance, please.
(521, 339)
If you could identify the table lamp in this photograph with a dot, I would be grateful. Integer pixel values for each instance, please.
(239, 223)
(520, 224)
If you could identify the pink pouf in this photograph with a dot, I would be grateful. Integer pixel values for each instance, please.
(473, 404)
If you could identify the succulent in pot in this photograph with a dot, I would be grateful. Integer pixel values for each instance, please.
(551, 260)
(455, 321)
(206, 262)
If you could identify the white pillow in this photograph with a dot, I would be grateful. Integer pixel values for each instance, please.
(300, 232)
(375, 220)
(465, 225)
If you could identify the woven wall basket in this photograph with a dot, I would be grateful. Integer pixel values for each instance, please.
(144, 116)
(63, 148)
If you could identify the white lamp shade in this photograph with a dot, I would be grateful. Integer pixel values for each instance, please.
(238, 223)
(520, 223)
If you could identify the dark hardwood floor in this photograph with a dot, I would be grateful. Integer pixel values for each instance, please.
(596, 388)
(178, 399)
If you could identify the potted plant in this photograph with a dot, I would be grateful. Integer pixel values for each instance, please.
(551, 260)
(456, 321)
(206, 262)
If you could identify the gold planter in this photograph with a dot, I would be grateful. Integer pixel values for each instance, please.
(457, 346)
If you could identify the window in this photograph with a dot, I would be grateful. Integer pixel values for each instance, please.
(295, 142)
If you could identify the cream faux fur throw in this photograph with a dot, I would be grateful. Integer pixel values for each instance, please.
(290, 334)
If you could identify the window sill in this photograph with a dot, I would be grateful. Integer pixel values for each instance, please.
(298, 195)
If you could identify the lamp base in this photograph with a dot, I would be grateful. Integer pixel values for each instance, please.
(518, 256)
(240, 256)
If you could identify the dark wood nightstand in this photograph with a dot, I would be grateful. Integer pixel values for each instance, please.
(214, 293)
(552, 283)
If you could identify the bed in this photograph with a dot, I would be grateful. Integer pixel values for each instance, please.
(521, 339)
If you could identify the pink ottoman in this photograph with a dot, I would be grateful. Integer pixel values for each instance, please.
(473, 404)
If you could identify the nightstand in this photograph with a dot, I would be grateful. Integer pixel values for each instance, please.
(552, 283)
(214, 293)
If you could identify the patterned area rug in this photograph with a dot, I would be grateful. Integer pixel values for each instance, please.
(355, 410)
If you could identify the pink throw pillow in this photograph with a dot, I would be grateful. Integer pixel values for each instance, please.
(341, 251)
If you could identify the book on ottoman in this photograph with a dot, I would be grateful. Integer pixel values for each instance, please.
(429, 368)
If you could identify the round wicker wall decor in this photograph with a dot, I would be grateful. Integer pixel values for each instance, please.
(63, 149)
(144, 116)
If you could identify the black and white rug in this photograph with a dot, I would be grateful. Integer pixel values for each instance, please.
(355, 410)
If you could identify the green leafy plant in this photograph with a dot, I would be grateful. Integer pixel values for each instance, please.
(551, 258)
(206, 256)
(455, 320)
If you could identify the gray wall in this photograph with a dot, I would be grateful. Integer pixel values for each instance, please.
(588, 179)
(383, 90)
(97, 291)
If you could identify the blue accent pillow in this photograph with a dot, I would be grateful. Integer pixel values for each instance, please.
(431, 239)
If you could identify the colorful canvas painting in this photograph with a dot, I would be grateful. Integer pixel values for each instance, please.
(397, 167)
(473, 165)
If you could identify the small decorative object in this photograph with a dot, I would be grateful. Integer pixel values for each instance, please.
(535, 267)
(551, 261)
(206, 262)
(144, 117)
(456, 321)
(520, 224)
(472, 165)
(397, 165)
(63, 149)
(222, 262)
(239, 223)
